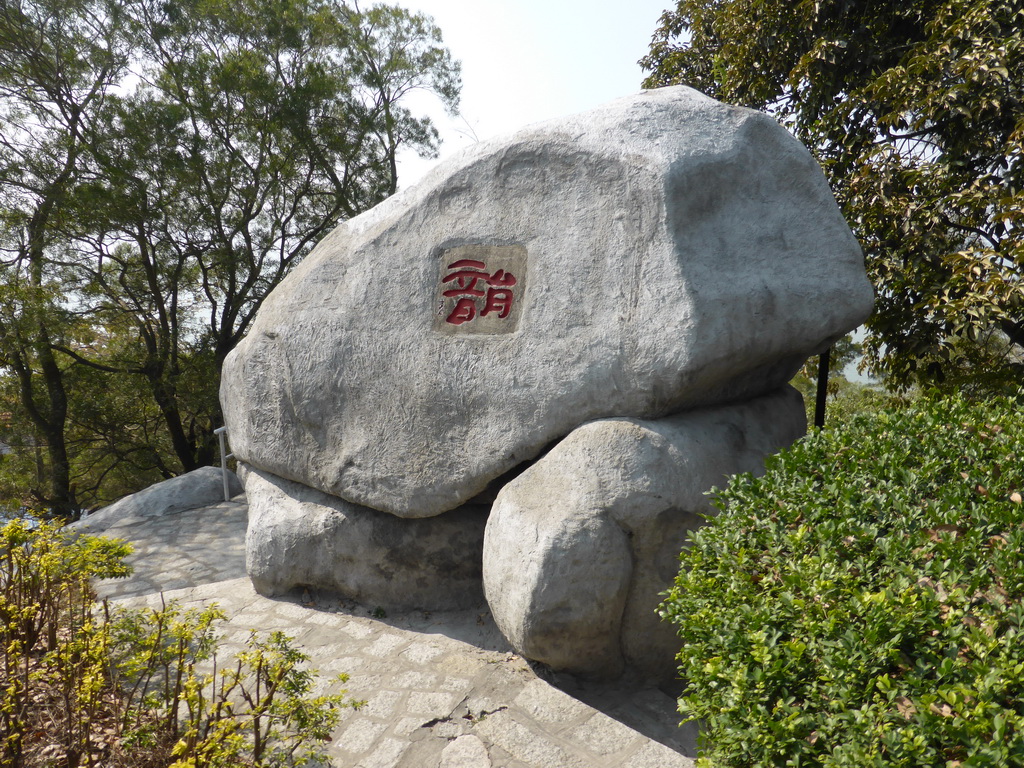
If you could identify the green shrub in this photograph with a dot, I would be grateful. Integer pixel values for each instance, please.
(861, 603)
(82, 684)
(46, 657)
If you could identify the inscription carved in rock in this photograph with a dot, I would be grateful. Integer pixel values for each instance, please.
(480, 289)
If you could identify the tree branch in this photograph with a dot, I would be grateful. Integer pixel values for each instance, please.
(92, 363)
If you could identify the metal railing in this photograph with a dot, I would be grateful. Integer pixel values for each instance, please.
(221, 434)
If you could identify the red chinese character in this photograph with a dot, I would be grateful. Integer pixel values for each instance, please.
(498, 300)
(502, 279)
(465, 310)
(468, 275)
(466, 278)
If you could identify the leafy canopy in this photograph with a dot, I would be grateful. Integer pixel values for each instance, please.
(915, 110)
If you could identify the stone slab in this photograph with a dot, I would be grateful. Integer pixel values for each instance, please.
(199, 488)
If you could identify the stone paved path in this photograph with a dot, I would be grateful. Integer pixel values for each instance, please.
(442, 690)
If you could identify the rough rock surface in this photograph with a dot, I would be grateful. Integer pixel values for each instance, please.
(579, 547)
(660, 253)
(299, 536)
(198, 488)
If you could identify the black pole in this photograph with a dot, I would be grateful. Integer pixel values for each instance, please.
(822, 393)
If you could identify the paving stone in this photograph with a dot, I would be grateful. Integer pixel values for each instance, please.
(343, 664)
(322, 618)
(318, 636)
(291, 611)
(379, 666)
(407, 726)
(449, 729)
(387, 754)
(422, 753)
(323, 685)
(358, 630)
(382, 704)
(415, 679)
(508, 673)
(502, 759)
(465, 752)
(656, 715)
(421, 653)
(385, 645)
(604, 735)
(655, 755)
(532, 747)
(479, 706)
(239, 636)
(433, 704)
(456, 684)
(548, 704)
(361, 735)
(246, 616)
(362, 682)
(346, 715)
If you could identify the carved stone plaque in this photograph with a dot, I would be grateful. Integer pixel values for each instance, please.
(480, 289)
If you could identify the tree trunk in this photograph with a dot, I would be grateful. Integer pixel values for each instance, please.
(822, 393)
(62, 496)
(165, 395)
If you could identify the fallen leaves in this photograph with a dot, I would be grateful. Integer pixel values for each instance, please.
(905, 707)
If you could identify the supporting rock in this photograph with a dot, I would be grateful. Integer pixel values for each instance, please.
(299, 536)
(579, 547)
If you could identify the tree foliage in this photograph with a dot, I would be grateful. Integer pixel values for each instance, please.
(916, 112)
(58, 62)
(163, 165)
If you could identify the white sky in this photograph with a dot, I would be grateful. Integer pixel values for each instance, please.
(524, 61)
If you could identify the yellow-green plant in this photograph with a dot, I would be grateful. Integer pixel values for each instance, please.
(46, 625)
(258, 711)
(117, 683)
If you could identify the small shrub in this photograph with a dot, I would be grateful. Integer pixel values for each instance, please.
(861, 603)
(84, 685)
(49, 667)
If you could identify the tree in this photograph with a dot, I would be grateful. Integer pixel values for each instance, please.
(58, 61)
(230, 138)
(916, 112)
(396, 53)
(260, 128)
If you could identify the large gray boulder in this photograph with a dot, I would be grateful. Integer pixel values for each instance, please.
(657, 254)
(299, 536)
(198, 488)
(580, 546)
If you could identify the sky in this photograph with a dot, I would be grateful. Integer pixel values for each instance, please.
(524, 61)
